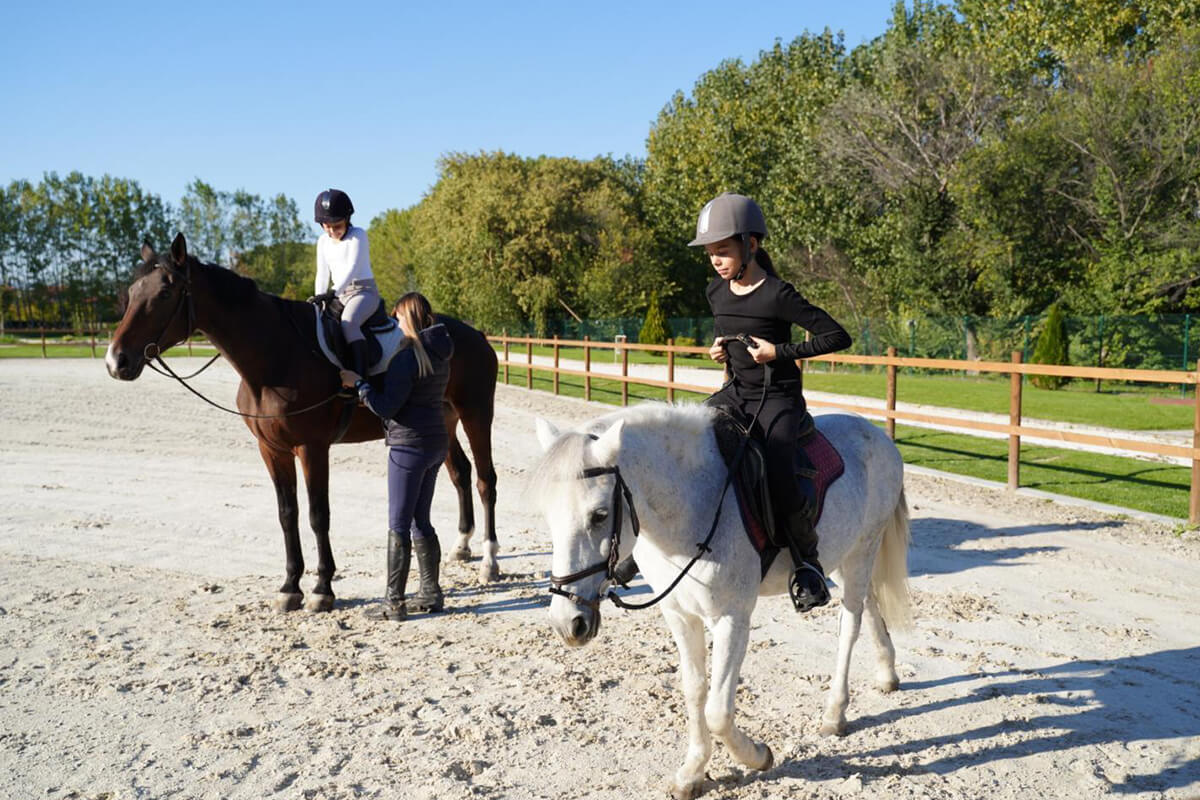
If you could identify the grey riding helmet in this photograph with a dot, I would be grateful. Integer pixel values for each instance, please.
(729, 215)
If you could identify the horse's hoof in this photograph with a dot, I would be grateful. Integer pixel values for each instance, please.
(769, 760)
(288, 601)
(888, 685)
(461, 553)
(833, 729)
(319, 602)
(688, 790)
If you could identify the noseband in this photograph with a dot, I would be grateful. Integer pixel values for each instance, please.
(607, 566)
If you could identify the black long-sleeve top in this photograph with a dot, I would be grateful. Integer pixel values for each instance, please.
(769, 312)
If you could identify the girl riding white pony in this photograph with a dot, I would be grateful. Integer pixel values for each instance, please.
(650, 481)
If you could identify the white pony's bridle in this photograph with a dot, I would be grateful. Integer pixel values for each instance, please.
(608, 565)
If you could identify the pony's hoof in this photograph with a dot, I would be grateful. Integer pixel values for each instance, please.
(688, 789)
(768, 760)
(833, 729)
(319, 602)
(888, 685)
(288, 601)
(461, 553)
(489, 573)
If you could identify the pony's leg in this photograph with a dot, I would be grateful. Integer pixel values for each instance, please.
(281, 465)
(689, 638)
(315, 460)
(855, 573)
(730, 636)
(459, 470)
(477, 424)
(886, 679)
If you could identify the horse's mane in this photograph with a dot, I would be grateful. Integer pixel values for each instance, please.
(677, 426)
(230, 289)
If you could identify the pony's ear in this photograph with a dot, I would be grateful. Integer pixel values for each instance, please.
(608, 444)
(546, 433)
(148, 253)
(179, 250)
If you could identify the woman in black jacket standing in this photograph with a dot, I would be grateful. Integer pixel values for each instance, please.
(410, 403)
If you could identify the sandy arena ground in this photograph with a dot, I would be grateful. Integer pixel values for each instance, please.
(1055, 653)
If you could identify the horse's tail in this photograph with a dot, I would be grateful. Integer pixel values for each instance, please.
(889, 579)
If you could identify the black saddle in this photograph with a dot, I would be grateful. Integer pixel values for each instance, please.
(331, 323)
(750, 473)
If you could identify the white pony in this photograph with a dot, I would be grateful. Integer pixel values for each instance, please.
(659, 465)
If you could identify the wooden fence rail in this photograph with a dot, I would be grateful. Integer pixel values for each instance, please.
(891, 362)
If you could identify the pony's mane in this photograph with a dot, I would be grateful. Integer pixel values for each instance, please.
(677, 427)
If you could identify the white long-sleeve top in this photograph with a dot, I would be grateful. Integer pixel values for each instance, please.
(343, 261)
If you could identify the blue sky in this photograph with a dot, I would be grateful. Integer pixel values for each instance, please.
(295, 97)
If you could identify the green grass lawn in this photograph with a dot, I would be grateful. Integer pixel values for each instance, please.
(1126, 482)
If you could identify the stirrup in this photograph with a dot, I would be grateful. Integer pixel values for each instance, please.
(807, 588)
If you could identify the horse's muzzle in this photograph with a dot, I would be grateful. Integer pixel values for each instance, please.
(121, 366)
(578, 626)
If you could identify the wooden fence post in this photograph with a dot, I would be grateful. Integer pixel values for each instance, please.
(587, 368)
(506, 356)
(891, 393)
(670, 372)
(556, 363)
(43, 342)
(93, 333)
(529, 362)
(624, 374)
(1194, 495)
(1014, 418)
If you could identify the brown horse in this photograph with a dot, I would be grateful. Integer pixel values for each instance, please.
(288, 395)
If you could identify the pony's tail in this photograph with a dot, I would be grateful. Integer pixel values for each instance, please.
(889, 579)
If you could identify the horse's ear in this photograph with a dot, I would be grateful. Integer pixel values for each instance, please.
(179, 250)
(148, 253)
(609, 443)
(546, 433)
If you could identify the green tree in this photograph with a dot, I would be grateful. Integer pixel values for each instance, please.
(1051, 348)
(654, 328)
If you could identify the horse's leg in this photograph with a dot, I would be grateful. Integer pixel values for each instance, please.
(855, 572)
(459, 470)
(315, 460)
(689, 638)
(730, 636)
(886, 679)
(281, 465)
(478, 426)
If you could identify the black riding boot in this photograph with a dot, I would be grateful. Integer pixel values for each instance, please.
(399, 557)
(358, 356)
(429, 559)
(806, 586)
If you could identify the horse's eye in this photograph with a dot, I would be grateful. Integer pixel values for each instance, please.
(598, 516)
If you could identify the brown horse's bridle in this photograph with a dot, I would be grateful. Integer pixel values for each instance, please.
(153, 349)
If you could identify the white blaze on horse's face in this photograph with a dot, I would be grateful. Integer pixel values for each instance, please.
(578, 512)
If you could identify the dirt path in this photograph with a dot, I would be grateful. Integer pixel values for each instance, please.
(1055, 652)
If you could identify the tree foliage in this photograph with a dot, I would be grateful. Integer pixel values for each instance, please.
(1051, 348)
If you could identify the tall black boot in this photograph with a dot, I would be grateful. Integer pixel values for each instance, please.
(358, 356)
(806, 586)
(399, 557)
(429, 560)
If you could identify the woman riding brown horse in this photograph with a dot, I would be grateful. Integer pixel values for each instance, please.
(289, 399)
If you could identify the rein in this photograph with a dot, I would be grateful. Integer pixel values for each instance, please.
(153, 352)
(622, 490)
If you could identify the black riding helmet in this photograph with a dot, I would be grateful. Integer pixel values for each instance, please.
(731, 215)
(333, 205)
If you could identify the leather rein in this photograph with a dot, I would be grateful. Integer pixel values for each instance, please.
(153, 351)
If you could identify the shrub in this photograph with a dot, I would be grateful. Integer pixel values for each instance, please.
(654, 329)
(1051, 349)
